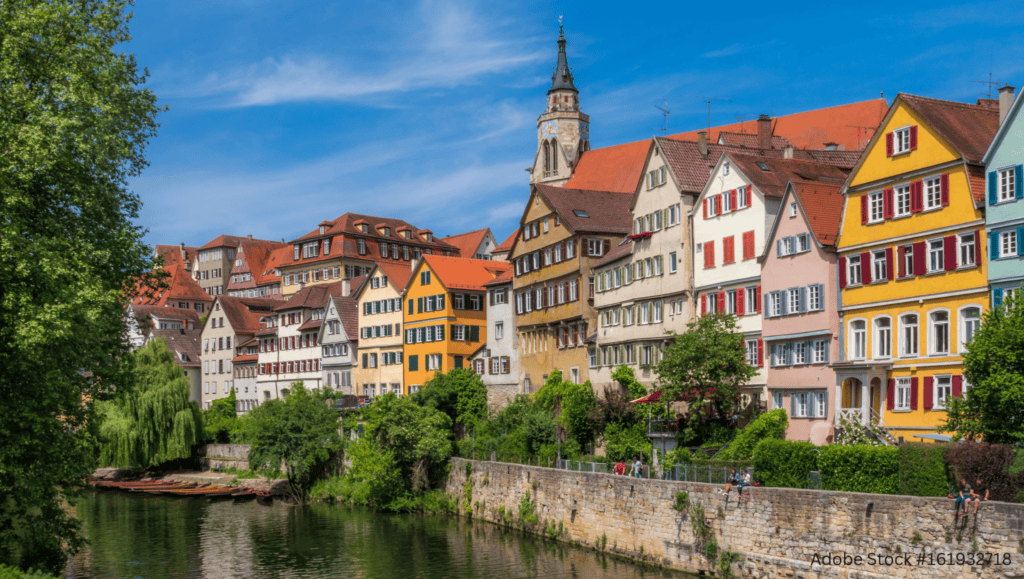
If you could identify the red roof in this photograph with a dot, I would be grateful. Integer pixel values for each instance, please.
(398, 273)
(244, 313)
(750, 141)
(469, 242)
(245, 358)
(506, 246)
(256, 255)
(502, 279)
(172, 254)
(843, 125)
(464, 273)
(968, 128)
(144, 311)
(823, 205)
(617, 168)
(605, 211)
(311, 296)
(618, 252)
(231, 241)
(976, 179)
(348, 313)
(180, 286)
(771, 175)
(184, 343)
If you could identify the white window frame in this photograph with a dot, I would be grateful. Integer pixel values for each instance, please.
(966, 250)
(750, 300)
(881, 345)
(876, 207)
(933, 336)
(752, 353)
(814, 302)
(858, 351)
(777, 399)
(901, 200)
(672, 267)
(963, 323)
(1008, 243)
(901, 140)
(901, 397)
(853, 270)
(775, 303)
(800, 405)
(792, 209)
(879, 266)
(1007, 184)
(800, 353)
(932, 193)
(939, 401)
(819, 350)
(793, 300)
(934, 255)
(903, 343)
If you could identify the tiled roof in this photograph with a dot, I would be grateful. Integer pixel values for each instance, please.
(144, 311)
(781, 171)
(968, 128)
(617, 168)
(464, 273)
(180, 286)
(348, 313)
(311, 325)
(607, 211)
(976, 180)
(278, 258)
(346, 224)
(469, 242)
(172, 254)
(502, 279)
(229, 241)
(311, 296)
(749, 140)
(843, 125)
(266, 331)
(823, 205)
(506, 245)
(256, 254)
(183, 343)
(398, 272)
(244, 313)
(844, 159)
(618, 252)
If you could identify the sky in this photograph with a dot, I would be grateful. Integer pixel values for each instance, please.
(285, 113)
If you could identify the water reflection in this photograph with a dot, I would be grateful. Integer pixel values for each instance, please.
(151, 537)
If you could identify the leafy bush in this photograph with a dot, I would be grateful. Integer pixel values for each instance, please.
(15, 573)
(784, 463)
(625, 442)
(923, 470)
(991, 463)
(679, 455)
(860, 469)
(769, 425)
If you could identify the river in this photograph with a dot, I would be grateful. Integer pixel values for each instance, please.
(152, 537)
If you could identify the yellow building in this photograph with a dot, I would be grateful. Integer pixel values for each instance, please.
(911, 266)
(445, 314)
(379, 364)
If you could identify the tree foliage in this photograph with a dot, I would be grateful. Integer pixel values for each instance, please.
(220, 420)
(74, 122)
(460, 394)
(299, 432)
(153, 422)
(706, 367)
(992, 409)
(572, 404)
(770, 425)
(416, 436)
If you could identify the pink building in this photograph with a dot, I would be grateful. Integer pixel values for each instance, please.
(801, 323)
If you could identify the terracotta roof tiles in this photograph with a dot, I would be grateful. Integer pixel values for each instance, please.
(618, 252)
(311, 296)
(822, 203)
(464, 273)
(144, 311)
(244, 313)
(590, 211)
(468, 242)
(398, 272)
(184, 343)
(771, 175)
(618, 168)
(348, 313)
(968, 128)
(505, 278)
(506, 245)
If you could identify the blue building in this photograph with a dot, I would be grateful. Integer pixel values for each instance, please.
(1004, 189)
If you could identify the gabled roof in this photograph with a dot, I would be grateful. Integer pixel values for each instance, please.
(180, 286)
(346, 224)
(244, 313)
(1003, 128)
(749, 140)
(398, 273)
(224, 241)
(506, 246)
(505, 278)
(843, 159)
(256, 254)
(184, 344)
(618, 168)
(469, 242)
(967, 128)
(311, 296)
(463, 273)
(771, 175)
(618, 252)
(142, 311)
(348, 314)
(606, 211)
(172, 254)
(822, 206)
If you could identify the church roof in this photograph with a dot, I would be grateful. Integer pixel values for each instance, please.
(561, 78)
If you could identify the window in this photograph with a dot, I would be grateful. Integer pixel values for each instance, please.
(879, 266)
(793, 300)
(876, 207)
(1007, 243)
(1007, 186)
(775, 304)
(853, 270)
(908, 335)
(933, 193)
(965, 256)
(424, 278)
(858, 340)
(361, 244)
(936, 260)
(902, 194)
(672, 267)
(800, 353)
(730, 301)
(725, 168)
(939, 332)
(943, 390)
(820, 351)
(814, 302)
(673, 215)
(595, 247)
(970, 321)
(902, 394)
(792, 209)
(752, 352)
(777, 400)
(908, 260)
(750, 301)
(799, 404)
(901, 140)
(883, 337)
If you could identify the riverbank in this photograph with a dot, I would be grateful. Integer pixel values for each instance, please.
(273, 486)
(771, 532)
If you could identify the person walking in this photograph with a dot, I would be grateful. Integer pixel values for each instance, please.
(637, 468)
(620, 468)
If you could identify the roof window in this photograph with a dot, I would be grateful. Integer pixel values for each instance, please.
(580, 213)
(763, 166)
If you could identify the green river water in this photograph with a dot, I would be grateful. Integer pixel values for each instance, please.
(153, 537)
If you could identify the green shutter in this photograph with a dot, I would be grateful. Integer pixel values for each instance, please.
(474, 333)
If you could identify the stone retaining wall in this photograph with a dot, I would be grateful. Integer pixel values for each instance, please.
(777, 532)
(223, 456)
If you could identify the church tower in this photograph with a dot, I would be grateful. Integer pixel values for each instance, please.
(563, 132)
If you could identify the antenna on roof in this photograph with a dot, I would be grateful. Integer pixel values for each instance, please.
(990, 84)
(664, 113)
(709, 100)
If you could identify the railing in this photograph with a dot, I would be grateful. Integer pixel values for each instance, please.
(660, 427)
(581, 466)
(852, 414)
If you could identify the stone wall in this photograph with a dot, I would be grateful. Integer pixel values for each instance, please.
(222, 456)
(777, 532)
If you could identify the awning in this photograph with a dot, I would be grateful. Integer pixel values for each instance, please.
(649, 399)
(935, 437)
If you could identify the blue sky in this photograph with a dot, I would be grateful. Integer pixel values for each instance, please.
(284, 113)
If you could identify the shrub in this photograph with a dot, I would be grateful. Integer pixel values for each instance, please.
(860, 469)
(784, 463)
(15, 573)
(769, 425)
(625, 442)
(991, 463)
(923, 470)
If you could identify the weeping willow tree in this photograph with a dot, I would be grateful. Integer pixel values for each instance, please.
(154, 422)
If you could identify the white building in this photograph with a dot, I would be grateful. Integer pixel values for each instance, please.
(338, 339)
(497, 361)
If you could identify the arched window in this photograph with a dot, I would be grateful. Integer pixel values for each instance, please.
(938, 332)
(858, 340)
(554, 156)
(547, 156)
(970, 321)
(883, 337)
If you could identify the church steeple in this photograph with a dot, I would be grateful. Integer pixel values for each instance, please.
(561, 78)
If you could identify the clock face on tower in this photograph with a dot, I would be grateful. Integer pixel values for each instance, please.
(585, 131)
(549, 129)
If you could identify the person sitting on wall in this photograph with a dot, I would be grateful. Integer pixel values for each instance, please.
(620, 468)
(733, 479)
(745, 481)
(963, 497)
(977, 496)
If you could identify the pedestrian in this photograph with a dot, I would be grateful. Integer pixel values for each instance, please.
(637, 468)
(731, 480)
(962, 498)
(977, 496)
(745, 481)
(620, 468)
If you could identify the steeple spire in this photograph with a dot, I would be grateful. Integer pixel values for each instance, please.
(561, 79)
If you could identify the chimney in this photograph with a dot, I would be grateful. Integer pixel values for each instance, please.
(250, 236)
(346, 288)
(702, 143)
(764, 132)
(787, 153)
(184, 257)
(1005, 101)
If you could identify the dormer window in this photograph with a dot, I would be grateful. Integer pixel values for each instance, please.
(364, 228)
(327, 247)
(323, 229)
(386, 232)
(361, 244)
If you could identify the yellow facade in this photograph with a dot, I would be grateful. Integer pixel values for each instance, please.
(426, 352)
(882, 347)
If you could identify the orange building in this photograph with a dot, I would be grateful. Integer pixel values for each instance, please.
(445, 314)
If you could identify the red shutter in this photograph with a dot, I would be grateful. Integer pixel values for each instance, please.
(888, 263)
(958, 386)
(721, 302)
(887, 206)
(748, 245)
(890, 395)
(865, 268)
(888, 144)
(842, 272)
(760, 351)
(607, 247)
(916, 196)
(740, 297)
(703, 304)
(944, 187)
(750, 197)
(949, 252)
(977, 247)
(913, 393)
(732, 200)
(919, 256)
(705, 208)
(718, 204)
(709, 254)
(757, 299)
(863, 209)
(913, 137)
(928, 380)
(901, 266)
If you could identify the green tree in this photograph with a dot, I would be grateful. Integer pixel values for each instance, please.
(416, 436)
(706, 368)
(460, 394)
(626, 378)
(992, 409)
(153, 422)
(572, 404)
(220, 421)
(74, 122)
(299, 432)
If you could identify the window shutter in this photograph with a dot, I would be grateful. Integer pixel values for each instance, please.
(997, 297)
(740, 297)
(1020, 241)
(709, 254)
(440, 302)
(607, 247)
(803, 300)
(792, 404)
(703, 304)
(888, 144)
(824, 397)
(977, 247)
(705, 208)
(750, 197)
(916, 196)
(944, 189)
(721, 302)
(949, 252)
(958, 386)
(913, 137)
(784, 301)
(919, 257)
(760, 352)
(1018, 181)
(757, 300)
(993, 192)
(778, 248)
(767, 306)
(863, 209)
(888, 263)
(474, 333)
(901, 265)
(842, 272)
(718, 204)
(913, 393)
(890, 395)
(732, 199)
(928, 381)
(827, 347)
(993, 245)
(419, 305)
(887, 207)
(865, 268)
